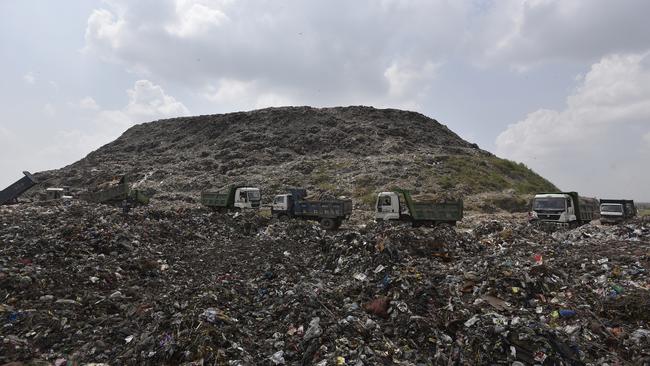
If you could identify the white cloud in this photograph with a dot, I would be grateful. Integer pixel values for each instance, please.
(338, 52)
(380, 53)
(229, 91)
(148, 101)
(49, 109)
(104, 29)
(596, 142)
(244, 94)
(404, 77)
(195, 18)
(525, 33)
(88, 103)
(272, 100)
(646, 138)
(46, 149)
(5, 134)
(30, 78)
(110, 124)
(61, 143)
(342, 39)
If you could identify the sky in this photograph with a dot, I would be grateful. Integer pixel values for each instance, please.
(560, 85)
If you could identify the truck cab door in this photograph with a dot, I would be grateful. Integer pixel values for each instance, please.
(279, 204)
(289, 204)
(387, 207)
(570, 211)
(240, 199)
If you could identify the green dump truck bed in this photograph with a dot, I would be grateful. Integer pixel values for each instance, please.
(433, 211)
(437, 211)
(120, 192)
(334, 209)
(218, 199)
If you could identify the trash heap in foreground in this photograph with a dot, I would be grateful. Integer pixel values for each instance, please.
(180, 285)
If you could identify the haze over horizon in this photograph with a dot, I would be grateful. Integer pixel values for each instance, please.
(563, 87)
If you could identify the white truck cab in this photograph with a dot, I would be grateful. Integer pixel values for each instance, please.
(57, 194)
(247, 197)
(611, 212)
(611, 209)
(554, 207)
(388, 206)
(282, 203)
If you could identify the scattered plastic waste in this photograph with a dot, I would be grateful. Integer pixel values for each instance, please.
(186, 286)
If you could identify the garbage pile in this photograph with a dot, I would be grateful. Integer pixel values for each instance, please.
(87, 283)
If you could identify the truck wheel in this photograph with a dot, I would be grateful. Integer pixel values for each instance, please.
(327, 223)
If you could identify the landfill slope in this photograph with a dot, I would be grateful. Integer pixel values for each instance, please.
(352, 151)
(82, 283)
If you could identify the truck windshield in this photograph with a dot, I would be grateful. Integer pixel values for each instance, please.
(383, 201)
(549, 203)
(253, 195)
(611, 208)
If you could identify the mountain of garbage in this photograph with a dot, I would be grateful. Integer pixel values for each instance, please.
(176, 283)
(351, 151)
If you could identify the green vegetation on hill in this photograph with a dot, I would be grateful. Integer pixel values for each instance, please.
(490, 173)
(442, 176)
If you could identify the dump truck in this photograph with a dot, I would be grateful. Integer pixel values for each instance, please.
(564, 208)
(232, 197)
(118, 191)
(613, 211)
(10, 194)
(57, 193)
(390, 207)
(330, 213)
